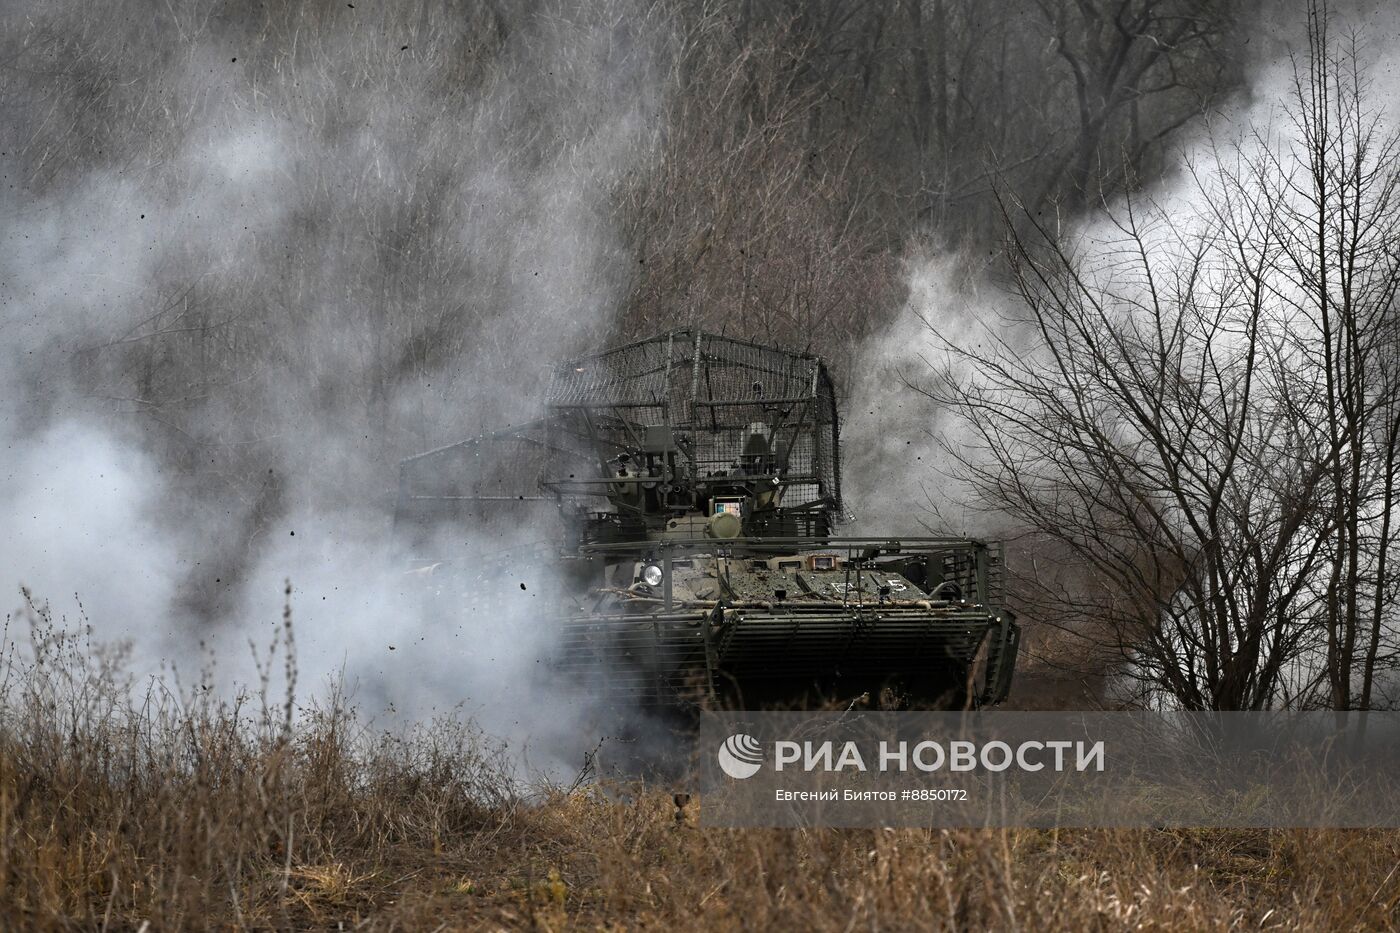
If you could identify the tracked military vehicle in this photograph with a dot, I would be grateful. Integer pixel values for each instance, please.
(693, 485)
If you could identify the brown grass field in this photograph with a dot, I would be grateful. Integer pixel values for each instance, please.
(177, 810)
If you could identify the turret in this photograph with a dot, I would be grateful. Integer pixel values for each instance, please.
(688, 426)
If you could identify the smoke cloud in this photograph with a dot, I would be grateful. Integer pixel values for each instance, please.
(962, 298)
(281, 202)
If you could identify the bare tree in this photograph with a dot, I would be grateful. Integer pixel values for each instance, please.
(1199, 409)
(1128, 58)
(1343, 251)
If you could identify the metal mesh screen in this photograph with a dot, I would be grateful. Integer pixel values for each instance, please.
(713, 392)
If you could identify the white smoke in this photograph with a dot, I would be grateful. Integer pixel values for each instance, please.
(1132, 253)
(899, 470)
(902, 450)
(289, 219)
(74, 500)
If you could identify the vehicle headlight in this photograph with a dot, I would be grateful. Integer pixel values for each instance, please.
(651, 575)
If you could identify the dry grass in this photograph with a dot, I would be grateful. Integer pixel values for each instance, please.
(191, 812)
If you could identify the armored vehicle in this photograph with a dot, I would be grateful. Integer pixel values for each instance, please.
(693, 492)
